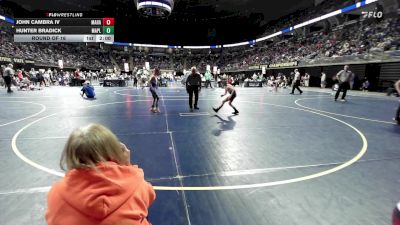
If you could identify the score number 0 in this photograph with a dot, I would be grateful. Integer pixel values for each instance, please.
(108, 25)
(108, 21)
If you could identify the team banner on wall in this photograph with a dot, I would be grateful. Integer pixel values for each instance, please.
(254, 67)
(5, 59)
(287, 64)
(16, 60)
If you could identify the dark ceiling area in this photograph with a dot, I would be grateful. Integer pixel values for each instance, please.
(192, 22)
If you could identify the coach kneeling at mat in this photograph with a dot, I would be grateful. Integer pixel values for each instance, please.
(193, 85)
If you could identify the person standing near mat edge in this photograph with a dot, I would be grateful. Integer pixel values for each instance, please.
(323, 80)
(154, 90)
(100, 186)
(207, 77)
(344, 77)
(193, 86)
(135, 81)
(231, 90)
(8, 74)
(296, 82)
(397, 118)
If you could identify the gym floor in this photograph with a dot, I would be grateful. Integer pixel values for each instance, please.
(284, 160)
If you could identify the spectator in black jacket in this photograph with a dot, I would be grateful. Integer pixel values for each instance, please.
(193, 86)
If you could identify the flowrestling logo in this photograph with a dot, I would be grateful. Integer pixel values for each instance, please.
(372, 14)
(64, 14)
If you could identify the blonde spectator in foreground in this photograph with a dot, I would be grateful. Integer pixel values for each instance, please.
(100, 186)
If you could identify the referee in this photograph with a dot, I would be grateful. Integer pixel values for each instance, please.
(344, 77)
(8, 74)
(296, 82)
(193, 86)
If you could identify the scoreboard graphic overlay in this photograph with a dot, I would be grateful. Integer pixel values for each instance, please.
(64, 27)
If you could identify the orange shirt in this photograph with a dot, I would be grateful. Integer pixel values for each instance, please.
(108, 194)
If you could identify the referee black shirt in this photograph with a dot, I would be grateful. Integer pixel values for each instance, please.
(194, 79)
